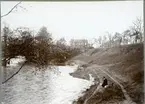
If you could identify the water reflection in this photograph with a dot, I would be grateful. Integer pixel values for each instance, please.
(44, 87)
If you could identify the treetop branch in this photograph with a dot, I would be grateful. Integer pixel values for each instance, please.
(11, 9)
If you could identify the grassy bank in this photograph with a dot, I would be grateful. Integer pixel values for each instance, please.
(124, 64)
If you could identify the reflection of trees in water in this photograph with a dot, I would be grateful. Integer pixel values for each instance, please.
(44, 82)
(42, 85)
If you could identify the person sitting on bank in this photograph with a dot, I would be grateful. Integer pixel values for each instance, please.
(105, 82)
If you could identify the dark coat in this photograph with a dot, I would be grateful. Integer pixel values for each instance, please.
(105, 82)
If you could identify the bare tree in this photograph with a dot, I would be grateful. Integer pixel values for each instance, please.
(5, 37)
(109, 39)
(6, 31)
(137, 29)
(14, 7)
(126, 36)
(117, 39)
(104, 41)
(98, 41)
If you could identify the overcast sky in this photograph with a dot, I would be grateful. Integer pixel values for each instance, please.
(74, 19)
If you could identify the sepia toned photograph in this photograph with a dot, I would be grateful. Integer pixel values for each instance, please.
(72, 52)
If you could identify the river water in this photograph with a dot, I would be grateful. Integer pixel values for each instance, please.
(53, 86)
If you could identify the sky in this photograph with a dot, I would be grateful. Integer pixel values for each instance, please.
(74, 20)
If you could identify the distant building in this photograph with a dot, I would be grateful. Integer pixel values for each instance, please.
(81, 44)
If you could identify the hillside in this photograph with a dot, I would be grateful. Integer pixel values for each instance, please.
(122, 66)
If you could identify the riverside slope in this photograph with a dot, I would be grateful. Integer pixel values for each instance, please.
(122, 66)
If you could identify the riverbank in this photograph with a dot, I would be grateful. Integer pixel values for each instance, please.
(122, 66)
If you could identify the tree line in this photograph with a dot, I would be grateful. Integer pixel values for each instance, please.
(132, 35)
(39, 48)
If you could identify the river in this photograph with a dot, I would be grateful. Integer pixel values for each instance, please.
(51, 86)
